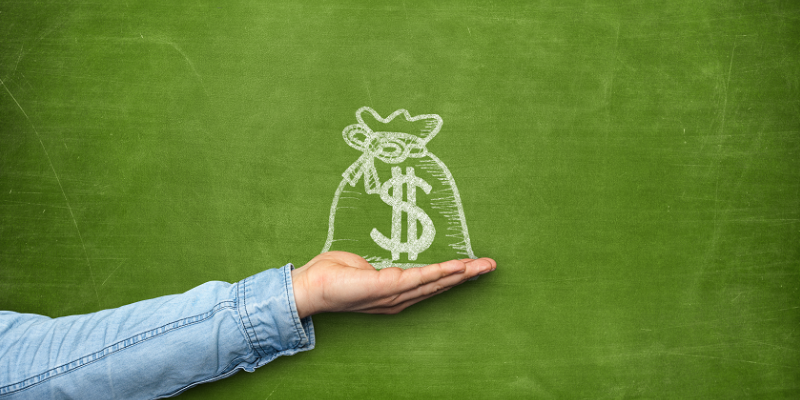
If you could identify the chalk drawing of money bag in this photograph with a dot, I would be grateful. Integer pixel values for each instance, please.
(398, 205)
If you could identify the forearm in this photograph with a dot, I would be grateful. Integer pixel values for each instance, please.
(154, 348)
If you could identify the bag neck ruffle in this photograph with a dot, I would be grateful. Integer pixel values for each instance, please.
(389, 147)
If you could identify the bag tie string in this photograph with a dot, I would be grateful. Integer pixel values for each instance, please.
(389, 147)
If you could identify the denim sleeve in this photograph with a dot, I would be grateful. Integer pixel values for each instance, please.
(154, 348)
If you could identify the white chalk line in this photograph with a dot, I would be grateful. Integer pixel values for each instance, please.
(60, 186)
(456, 220)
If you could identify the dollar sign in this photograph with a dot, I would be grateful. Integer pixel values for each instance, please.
(414, 245)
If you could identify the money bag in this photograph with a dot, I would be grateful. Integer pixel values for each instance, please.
(397, 204)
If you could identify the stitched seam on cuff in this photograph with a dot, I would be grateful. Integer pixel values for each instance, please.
(114, 348)
(249, 326)
(287, 280)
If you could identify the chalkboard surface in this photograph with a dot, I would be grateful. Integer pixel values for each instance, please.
(634, 168)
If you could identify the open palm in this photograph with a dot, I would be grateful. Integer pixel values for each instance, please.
(340, 281)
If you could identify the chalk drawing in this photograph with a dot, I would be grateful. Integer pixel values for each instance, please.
(415, 245)
(383, 149)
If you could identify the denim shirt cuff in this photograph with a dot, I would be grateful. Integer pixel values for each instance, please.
(268, 312)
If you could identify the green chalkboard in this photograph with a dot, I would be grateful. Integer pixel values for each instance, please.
(633, 166)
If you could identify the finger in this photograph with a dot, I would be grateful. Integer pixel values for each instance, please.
(394, 304)
(494, 263)
(491, 261)
(415, 277)
(474, 268)
(394, 309)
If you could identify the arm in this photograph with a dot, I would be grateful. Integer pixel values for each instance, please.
(160, 347)
(153, 348)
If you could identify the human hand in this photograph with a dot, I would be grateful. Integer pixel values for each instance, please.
(340, 281)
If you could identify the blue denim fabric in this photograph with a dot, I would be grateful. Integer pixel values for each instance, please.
(154, 348)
